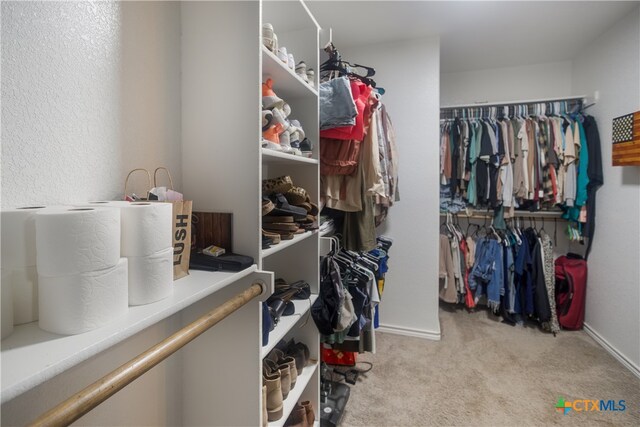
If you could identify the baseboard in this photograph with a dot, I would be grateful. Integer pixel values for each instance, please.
(410, 332)
(635, 369)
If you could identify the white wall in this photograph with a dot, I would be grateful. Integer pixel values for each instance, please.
(409, 71)
(611, 65)
(89, 91)
(537, 81)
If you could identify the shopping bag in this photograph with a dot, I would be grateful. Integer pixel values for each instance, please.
(182, 211)
(133, 197)
(181, 237)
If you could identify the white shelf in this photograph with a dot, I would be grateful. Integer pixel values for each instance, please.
(294, 395)
(31, 356)
(287, 243)
(287, 322)
(287, 84)
(278, 157)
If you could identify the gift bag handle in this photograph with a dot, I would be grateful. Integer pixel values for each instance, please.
(126, 181)
(155, 176)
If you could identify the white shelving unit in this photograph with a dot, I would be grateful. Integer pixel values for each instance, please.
(276, 157)
(295, 259)
(223, 166)
(284, 244)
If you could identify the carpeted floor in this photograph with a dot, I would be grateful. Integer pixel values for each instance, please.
(484, 373)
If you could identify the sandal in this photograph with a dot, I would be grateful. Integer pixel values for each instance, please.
(272, 219)
(282, 184)
(283, 208)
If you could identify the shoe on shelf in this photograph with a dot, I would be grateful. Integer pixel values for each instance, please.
(273, 133)
(311, 416)
(268, 219)
(291, 62)
(297, 418)
(280, 118)
(282, 54)
(269, 98)
(266, 242)
(267, 119)
(296, 195)
(286, 110)
(274, 394)
(301, 70)
(306, 147)
(265, 414)
(276, 355)
(311, 76)
(275, 237)
(267, 206)
(281, 184)
(267, 36)
(285, 375)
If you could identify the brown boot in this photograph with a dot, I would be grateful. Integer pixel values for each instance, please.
(274, 395)
(283, 370)
(298, 418)
(285, 379)
(311, 416)
(293, 372)
(265, 414)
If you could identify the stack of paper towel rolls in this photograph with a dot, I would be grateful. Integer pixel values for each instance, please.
(81, 278)
(19, 275)
(148, 245)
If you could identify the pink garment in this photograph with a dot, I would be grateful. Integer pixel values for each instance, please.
(360, 93)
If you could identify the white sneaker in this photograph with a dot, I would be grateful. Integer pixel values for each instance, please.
(267, 36)
(278, 117)
(282, 54)
(292, 62)
(311, 76)
(301, 70)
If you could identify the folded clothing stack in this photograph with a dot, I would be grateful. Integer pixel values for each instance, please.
(287, 210)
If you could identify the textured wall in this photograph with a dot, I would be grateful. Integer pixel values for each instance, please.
(89, 90)
(611, 65)
(409, 71)
(539, 81)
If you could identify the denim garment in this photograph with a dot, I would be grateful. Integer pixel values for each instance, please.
(337, 107)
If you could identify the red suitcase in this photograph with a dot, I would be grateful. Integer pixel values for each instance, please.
(571, 290)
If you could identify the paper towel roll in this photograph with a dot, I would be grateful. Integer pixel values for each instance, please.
(146, 228)
(19, 237)
(6, 304)
(103, 203)
(79, 303)
(24, 287)
(77, 240)
(150, 277)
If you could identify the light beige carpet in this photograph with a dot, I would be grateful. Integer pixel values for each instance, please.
(485, 373)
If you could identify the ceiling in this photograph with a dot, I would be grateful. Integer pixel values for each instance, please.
(475, 34)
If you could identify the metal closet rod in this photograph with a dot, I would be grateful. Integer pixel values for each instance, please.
(518, 214)
(480, 104)
(93, 395)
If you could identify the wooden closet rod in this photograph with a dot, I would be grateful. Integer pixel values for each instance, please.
(93, 395)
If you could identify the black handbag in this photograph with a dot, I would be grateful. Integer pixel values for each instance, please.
(224, 262)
